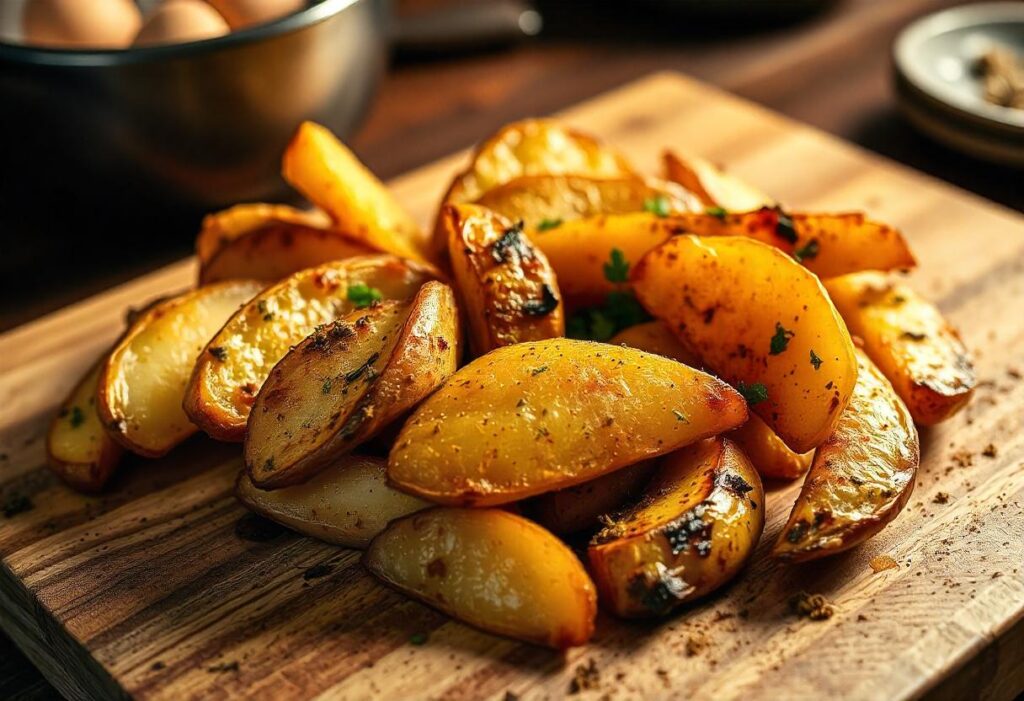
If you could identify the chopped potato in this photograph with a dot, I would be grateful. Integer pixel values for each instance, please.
(712, 185)
(223, 227)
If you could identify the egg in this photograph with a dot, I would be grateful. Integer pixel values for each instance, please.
(245, 13)
(177, 21)
(74, 24)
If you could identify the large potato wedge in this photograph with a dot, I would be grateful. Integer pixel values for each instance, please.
(237, 360)
(78, 448)
(347, 381)
(323, 169)
(770, 455)
(491, 569)
(545, 415)
(692, 530)
(861, 477)
(223, 227)
(142, 383)
(348, 503)
(916, 349)
(758, 320)
(506, 286)
(712, 185)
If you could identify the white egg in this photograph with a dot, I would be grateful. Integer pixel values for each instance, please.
(178, 21)
(245, 13)
(96, 24)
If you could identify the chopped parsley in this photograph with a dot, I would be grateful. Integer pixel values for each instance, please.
(815, 360)
(754, 394)
(362, 295)
(780, 340)
(326, 387)
(77, 417)
(617, 267)
(784, 226)
(538, 370)
(807, 251)
(219, 352)
(680, 416)
(717, 212)
(261, 307)
(548, 224)
(658, 205)
(418, 639)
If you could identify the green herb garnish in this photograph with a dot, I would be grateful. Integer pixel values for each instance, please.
(680, 416)
(717, 212)
(362, 295)
(538, 370)
(77, 417)
(219, 352)
(807, 251)
(780, 340)
(326, 387)
(754, 394)
(658, 205)
(815, 360)
(617, 267)
(784, 226)
(547, 224)
(418, 639)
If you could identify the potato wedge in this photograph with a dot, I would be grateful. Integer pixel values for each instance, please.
(78, 449)
(491, 569)
(656, 337)
(692, 530)
(347, 381)
(348, 503)
(916, 349)
(237, 360)
(712, 185)
(581, 507)
(323, 169)
(545, 415)
(861, 477)
(142, 384)
(758, 320)
(222, 227)
(505, 284)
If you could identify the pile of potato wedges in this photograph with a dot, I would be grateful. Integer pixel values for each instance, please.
(567, 391)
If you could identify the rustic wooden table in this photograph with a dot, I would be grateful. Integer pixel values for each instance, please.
(830, 70)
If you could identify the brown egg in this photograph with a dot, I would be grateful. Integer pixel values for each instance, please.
(96, 24)
(178, 21)
(245, 13)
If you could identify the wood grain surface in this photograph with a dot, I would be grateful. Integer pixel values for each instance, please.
(163, 588)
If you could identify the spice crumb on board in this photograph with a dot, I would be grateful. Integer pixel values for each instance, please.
(223, 667)
(963, 458)
(696, 644)
(586, 677)
(317, 571)
(16, 504)
(990, 451)
(813, 606)
(880, 563)
(510, 696)
(940, 498)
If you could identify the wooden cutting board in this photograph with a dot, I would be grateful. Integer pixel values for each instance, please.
(164, 589)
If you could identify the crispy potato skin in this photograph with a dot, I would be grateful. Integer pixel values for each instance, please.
(713, 186)
(142, 384)
(727, 299)
(861, 477)
(693, 529)
(506, 286)
(545, 415)
(78, 449)
(346, 382)
(347, 504)
(223, 227)
(916, 349)
(492, 569)
(323, 169)
(235, 363)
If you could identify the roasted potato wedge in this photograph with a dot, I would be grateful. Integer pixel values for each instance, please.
(916, 349)
(692, 530)
(545, 415)
(758, 320)
(506, 285)
(581, 507)
(323, 169)
(348, 503)
(712, 185)
(223, 227)
(347, 381)
(861, 477)
(491, 569)
(78, 448)
(237, 360)
(142, 384)
(655, 337)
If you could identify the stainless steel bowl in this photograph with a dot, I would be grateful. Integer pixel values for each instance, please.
(197, 125)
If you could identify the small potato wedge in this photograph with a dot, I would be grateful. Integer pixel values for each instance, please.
(491, 569)
(78, 448)
(760, 321)
(223, 227)
(581, 507)
(142, 384)
(347, 504)
(692, 530)
(655, 337)
(506, 285)
(712, 185)
(323, 169)
(916, 349)
(545, 415)
(237, 360)
(347, 381)
(861, 477)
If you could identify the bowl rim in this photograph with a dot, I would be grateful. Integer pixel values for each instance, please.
(317, 12)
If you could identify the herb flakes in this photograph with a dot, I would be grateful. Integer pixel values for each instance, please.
(658, 205)
(780, 341)
(754, 393)
(548, 224)
(362, 295)
(617, 267)
(815, 360)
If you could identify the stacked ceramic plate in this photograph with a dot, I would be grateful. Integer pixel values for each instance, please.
(937, 82)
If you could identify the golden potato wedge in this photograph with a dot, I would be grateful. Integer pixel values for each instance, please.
(692, 530)
(760, 321)
(505, 284)
(347, 381)
(581, 507)
(656, 337)
(916, 349)
(861, 477)
(348, 503)
(237, 360)
(323, 169)
(545, 415)
(78, 449)
(712, 185)
(142, 384)
(222, 227)
(491, 569)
